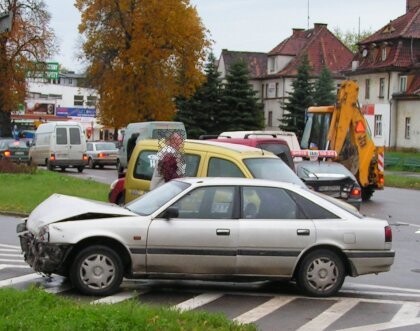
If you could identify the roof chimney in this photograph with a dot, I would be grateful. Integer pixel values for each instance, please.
(297, 31)
(318, 26)
(412, 4)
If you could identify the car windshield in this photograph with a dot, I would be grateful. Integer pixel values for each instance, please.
(18, 144)
(273, 169)
(322, 169)
(105, 146)
(151, 201)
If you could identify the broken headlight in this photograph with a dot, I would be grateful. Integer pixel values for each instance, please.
(44, 234)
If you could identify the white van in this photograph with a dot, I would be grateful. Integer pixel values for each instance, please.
(59, 144)
(135, 132)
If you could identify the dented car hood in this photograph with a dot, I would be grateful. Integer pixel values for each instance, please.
(59, 207)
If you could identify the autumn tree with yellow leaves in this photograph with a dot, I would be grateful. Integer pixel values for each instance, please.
(27, 42)
(141, 55)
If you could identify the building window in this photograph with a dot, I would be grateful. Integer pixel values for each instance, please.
(270, 119)
(262, 91)
(381, 87)
(91, 101)
(383, 54)
(272, 64)
(378, 125)
(78, 100)
(407, 128)
(403, 83)
(277, 90)
(367, 88)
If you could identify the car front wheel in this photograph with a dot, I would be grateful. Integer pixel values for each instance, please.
(321, 273)
(97, 270)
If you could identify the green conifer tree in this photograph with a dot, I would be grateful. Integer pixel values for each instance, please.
(325, 90)
(299, 100)
(199, 113)
(241, 109)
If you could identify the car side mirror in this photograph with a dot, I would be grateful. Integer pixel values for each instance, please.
(171, 212)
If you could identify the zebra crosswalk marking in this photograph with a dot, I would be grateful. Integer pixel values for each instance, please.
(119, 297)
(20, 279)
(198, 301)
(329, 316)
(263, 309)
(407, 311)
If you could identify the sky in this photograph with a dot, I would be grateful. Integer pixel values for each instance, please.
(246, 25)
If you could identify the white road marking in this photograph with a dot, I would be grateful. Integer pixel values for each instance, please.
(263, 309)
(398, 294)
(418, 231)
(14, 255)
(119, 297)
(329, 316)
(59, 289)
(22, 266)
(20, 279)
(9, 250)
(384, 326)
(408, 311)
(198, 301)
(10, 260)
(18, 248)
(387, 288)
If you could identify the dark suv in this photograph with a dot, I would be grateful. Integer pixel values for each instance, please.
(266, 142)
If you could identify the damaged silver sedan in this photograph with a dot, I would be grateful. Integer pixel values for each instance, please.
(207, 228)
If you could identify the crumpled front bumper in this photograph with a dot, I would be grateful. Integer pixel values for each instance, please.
(43, 257)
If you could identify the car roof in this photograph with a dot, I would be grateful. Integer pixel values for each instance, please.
(238, 181)
(220, 147)
(251, 141)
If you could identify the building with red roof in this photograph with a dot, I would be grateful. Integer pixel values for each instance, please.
(387, 68)
(272, 73)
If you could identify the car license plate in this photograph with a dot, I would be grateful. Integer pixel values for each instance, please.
(19, 153)
(329, 188)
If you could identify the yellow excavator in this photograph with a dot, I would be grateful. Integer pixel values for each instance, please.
(343, 128)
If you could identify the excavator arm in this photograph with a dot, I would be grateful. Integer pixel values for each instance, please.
(348, 134)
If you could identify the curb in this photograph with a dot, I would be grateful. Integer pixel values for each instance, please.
(13, 214)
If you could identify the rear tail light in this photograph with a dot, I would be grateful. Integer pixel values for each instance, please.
(7, 154)
(85, 157)
(101, 155)
(52, 157)
(355, 192)
(381, 181)
(388, 234)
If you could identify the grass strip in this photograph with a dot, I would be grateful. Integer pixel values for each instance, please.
(21, 193)
(408, 182)
(35, 309)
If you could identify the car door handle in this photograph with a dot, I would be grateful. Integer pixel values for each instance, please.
(303, 232)
(223, 232)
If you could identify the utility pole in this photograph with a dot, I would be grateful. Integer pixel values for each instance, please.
(308, 15)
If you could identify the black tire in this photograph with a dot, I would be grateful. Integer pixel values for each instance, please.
(321, 273)
(63, 168)
(97, 270)
(91, 164)
(367, 193)
(80, 169)
(101, 166)
(49, 165)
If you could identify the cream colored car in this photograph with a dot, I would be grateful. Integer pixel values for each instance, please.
(206, 159)
(208, 229)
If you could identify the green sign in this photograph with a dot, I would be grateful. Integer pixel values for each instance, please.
(47, 70)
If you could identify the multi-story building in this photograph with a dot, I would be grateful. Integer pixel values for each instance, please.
(272, 74)
(387, 69)
(60, 97)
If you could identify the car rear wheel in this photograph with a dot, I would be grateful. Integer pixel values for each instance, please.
(321, 273)
(80, 169)
(91, 164)
(97, 270)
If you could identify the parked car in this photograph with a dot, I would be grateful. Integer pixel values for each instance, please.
(101, 153)
(14, 150)
(203, 158)
(268, 142)
(209, 229)
(331, 178)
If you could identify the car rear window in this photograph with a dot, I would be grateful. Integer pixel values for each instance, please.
(272, 169)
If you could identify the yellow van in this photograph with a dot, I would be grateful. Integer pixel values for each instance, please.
(207, 159)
